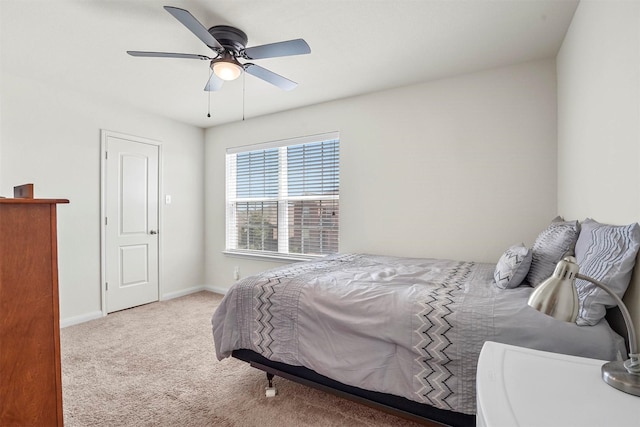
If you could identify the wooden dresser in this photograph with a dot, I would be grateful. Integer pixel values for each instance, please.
(30, 374)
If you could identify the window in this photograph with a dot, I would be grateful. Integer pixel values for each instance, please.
(283, 197)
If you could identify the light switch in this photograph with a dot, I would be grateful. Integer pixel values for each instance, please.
(167, 199)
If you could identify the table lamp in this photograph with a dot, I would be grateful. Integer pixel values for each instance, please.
(557, 297)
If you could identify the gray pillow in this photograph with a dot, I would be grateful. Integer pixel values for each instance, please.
(553, 244)
(512, 267)
(606, 253)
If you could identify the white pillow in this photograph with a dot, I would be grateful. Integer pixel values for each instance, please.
(606, 253)
(513, 267)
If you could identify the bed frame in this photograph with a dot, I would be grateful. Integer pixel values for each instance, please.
(389, 403)
(401, 406)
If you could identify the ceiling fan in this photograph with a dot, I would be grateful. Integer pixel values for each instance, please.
(228, 44)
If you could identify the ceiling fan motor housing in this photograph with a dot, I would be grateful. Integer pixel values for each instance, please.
(231, 38)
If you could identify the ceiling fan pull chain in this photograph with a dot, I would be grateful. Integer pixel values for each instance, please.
(209, 96)
(244, 79)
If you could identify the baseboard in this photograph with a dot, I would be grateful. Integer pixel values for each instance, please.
(70, 321)
(182, 292)
(170, 295)
(216, 289)
(193, 290)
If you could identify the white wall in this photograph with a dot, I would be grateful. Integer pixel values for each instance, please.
(457, 168)
(51, 137)
(599, 118)
(599, 113)
(1, 92)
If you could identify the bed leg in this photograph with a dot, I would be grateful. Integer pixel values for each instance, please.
(270, 390)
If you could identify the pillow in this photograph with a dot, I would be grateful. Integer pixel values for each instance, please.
(606, 253)
(512, 267)
(553, 244)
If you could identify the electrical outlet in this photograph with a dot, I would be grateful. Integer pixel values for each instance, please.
(236, 272)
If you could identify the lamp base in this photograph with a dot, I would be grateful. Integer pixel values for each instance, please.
(617, 376)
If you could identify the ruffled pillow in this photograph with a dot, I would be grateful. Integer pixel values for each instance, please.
(606, 253)
(512, 267)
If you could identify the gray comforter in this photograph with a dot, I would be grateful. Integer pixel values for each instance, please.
(405, 326)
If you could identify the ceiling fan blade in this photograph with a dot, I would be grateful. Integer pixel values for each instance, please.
(286, 48)
(270, 76)
(167, 55)
(189, 21)
(214, 83)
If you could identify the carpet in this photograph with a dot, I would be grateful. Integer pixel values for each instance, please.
(155, 365)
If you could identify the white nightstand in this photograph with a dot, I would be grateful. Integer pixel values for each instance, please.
(518, 386)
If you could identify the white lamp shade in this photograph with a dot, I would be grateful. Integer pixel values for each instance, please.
(227, 70)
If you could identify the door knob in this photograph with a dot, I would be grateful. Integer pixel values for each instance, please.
(153, 232)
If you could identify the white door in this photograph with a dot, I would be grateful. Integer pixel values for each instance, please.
(131, 222)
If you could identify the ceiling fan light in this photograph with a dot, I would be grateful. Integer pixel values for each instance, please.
(227, 70)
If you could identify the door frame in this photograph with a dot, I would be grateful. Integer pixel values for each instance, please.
(104, 135)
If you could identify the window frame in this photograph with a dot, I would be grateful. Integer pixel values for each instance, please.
(282, 199)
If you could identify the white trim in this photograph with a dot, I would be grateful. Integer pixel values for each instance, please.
(230, 188)
(283, 188)
(182, 292)
(104, 134)
(285, 142)
(275, 256)
(216, 289)
(75, 320)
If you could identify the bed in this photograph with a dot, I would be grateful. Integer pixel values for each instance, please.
(402, 334)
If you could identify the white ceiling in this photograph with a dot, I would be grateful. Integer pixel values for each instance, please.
(357, 46)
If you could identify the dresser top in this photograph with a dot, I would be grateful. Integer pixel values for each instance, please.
(9, 201)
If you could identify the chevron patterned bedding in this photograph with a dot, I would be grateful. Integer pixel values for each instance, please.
(405, 326)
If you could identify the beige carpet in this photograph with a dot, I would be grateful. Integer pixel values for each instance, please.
(155, 365)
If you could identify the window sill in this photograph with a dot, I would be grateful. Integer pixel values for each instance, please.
(272, 256)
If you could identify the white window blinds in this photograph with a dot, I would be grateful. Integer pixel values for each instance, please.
(283, 197)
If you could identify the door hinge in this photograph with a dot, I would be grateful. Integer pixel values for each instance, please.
(105, 220)
(106, 155)
(106, 285)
